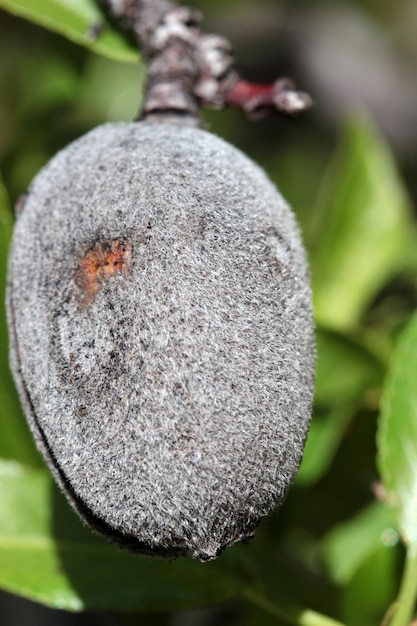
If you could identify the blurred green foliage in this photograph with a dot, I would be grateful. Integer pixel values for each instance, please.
(338, 545)
(79, 20)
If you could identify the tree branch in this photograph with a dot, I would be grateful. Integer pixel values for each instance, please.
(188, 69)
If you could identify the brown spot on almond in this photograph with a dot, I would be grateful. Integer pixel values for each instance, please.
(101, 262)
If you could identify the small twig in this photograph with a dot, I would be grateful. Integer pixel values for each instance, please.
(290, 614)
(188, 68)
(262, 100)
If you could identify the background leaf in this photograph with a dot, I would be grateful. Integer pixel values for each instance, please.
(15, 440)
(363, 227)
(345, 371)
(47, 555)
(324, 437)
(397, 434)
(345, 368)
(348, 545)
(78, 20)
(366, 598)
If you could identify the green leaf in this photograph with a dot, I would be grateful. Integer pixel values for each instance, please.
(109, 91)
(397, 433)
(406, 600)
(323, 440)
(347, 547)
(15, 440)
(79, 20)
(345, 369)
(47, 555)
(363, 227)
(366, 597)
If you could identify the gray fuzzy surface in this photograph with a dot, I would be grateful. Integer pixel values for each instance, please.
(161, 336)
